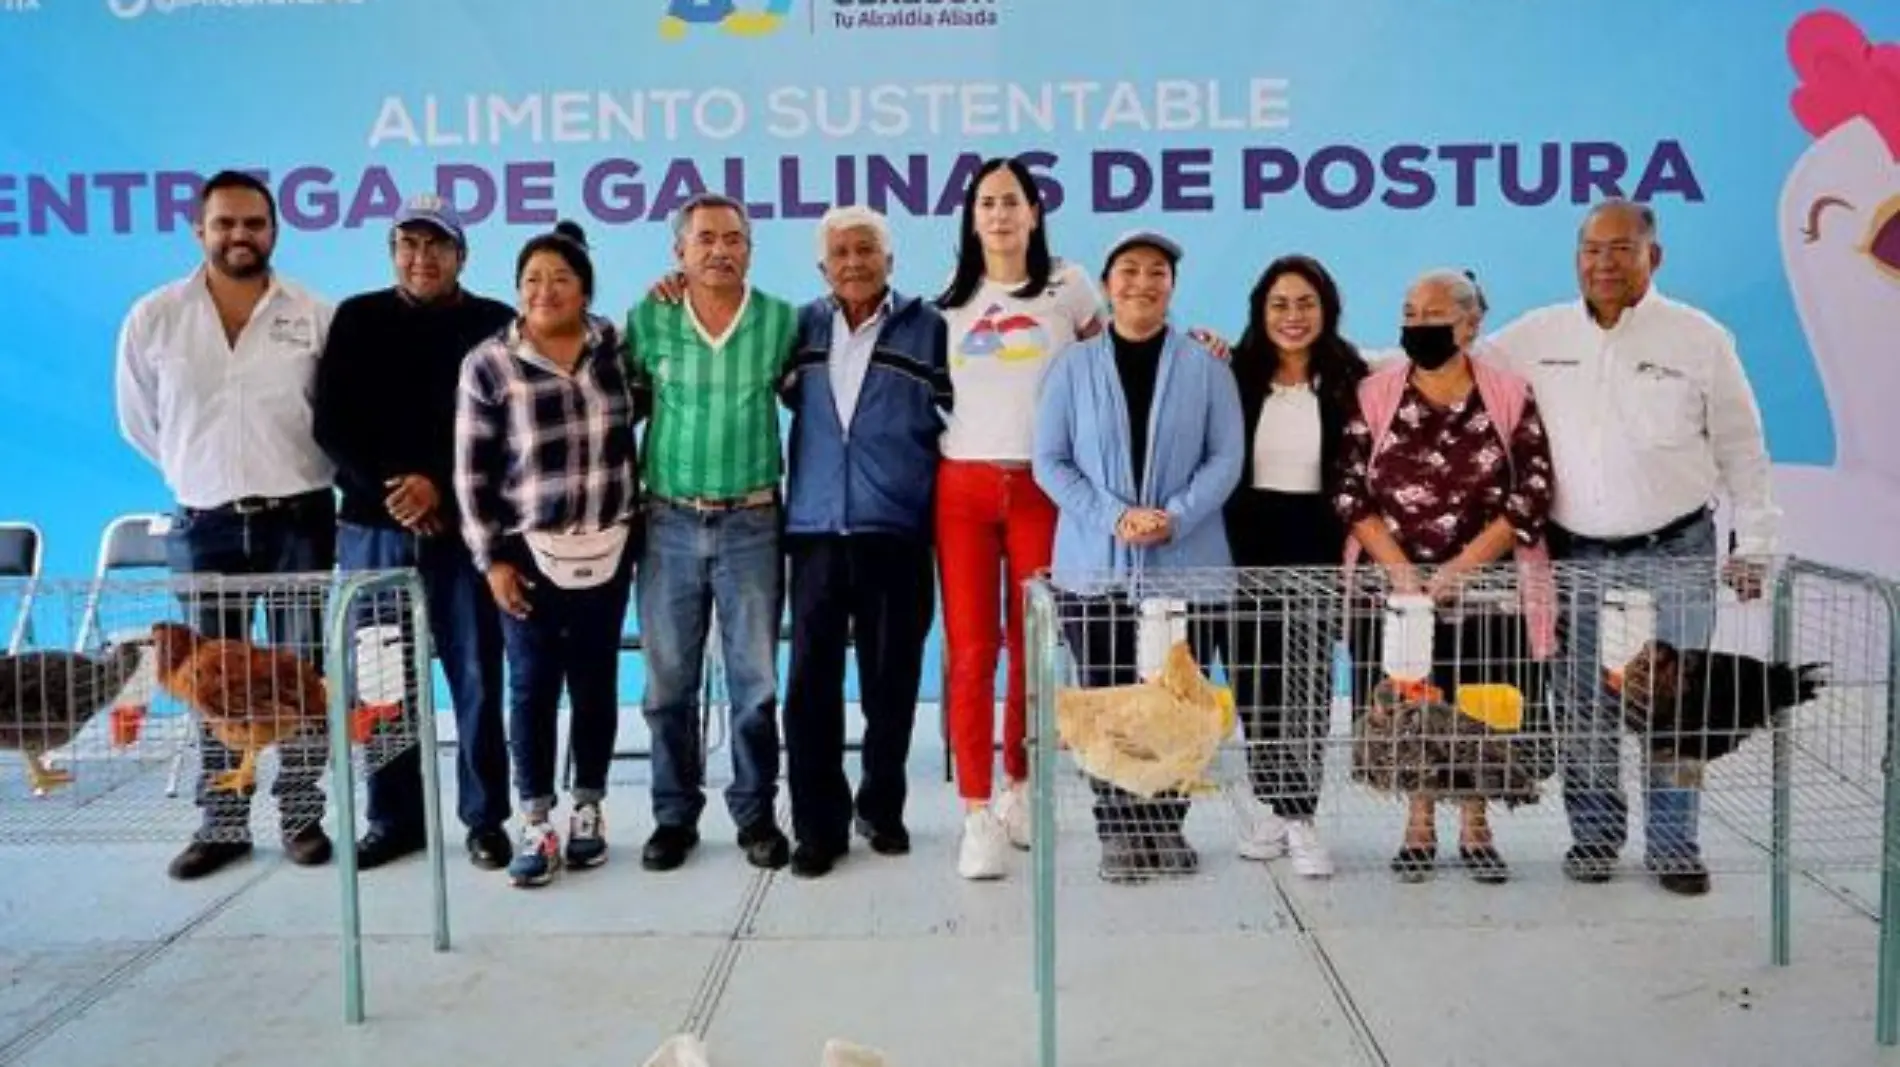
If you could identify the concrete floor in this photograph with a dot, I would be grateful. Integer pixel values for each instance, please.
(104, 961)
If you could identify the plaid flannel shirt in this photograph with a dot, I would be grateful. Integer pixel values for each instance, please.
(539, 449)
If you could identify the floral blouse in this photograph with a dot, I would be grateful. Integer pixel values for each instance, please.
(1442, 475)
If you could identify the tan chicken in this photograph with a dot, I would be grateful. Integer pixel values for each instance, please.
(1151, 737)
(250, 698)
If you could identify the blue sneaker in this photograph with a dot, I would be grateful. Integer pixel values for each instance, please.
(538, 856)
(586, 837)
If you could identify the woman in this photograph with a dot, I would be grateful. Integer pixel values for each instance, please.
(1446, 467)
(1139, 443)
(1298, 378)
(1010, 309)
(549, 498)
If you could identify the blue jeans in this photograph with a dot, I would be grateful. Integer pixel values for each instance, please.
(466, 630)
(1679, 571)
(570, 638)
(695, 561)
(298, 538)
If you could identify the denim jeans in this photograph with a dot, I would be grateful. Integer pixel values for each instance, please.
(571, 637)
(694, 562)
(1679, 572)
(295, 539)
(466, 630)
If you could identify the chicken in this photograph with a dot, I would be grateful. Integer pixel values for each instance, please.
(1151, 737)
(47, 698)
(1840, 250)
(1702, 705)
(1410, 740)
(249, 698)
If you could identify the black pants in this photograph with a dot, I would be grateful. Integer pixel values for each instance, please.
(1280, 662)
(1102, 634)
(297, 538)
(1278, 650)
(876, 591)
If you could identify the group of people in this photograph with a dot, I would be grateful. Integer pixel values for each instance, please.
(535, 463)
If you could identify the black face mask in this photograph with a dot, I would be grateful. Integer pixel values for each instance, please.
(1428, 347)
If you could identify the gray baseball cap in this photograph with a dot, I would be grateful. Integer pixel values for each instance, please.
(1154, 239)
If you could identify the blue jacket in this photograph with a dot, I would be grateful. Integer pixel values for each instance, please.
(880, 477)
(1195, 445)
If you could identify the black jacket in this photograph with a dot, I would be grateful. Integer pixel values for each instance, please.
(1337, 402)
(386, 390)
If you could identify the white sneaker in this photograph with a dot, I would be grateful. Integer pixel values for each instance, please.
(1262, 833)
(1012, 810)
(1310, 858)
(985, 847)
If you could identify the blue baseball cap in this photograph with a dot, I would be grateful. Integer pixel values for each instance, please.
(428, 209)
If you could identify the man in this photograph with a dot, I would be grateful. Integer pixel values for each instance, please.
(1650, 416)
(866, 389)
(711, 462)
(385, 414)
(213, 382)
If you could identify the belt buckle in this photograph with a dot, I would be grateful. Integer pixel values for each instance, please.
(250, 505)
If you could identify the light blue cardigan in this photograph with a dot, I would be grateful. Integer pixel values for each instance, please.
(1195, 445)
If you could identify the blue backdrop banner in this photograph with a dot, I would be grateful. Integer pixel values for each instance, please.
(1387, 139)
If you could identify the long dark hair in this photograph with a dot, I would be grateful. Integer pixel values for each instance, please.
(1332, 360)
(969, 274)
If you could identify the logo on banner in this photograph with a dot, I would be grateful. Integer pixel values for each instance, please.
(131, 9)
(755, 19)
(18, 7)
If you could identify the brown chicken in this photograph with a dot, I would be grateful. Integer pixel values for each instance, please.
(250, 698)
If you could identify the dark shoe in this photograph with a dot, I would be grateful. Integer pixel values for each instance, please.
(765, 845)
(1683, 877)
(308, 847)
(1170, 853)
(207, 857)
(891, 840)
(814, 861)
(1485, 865)
(1125, 861)
(1414, 864)
(586, 837)
(1590, 864)
(379, 847)
(489, 848)
(666, 850)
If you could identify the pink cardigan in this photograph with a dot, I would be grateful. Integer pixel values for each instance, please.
(1503, 394)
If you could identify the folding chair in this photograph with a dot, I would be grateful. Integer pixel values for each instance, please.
(21, 546)
(133, 542)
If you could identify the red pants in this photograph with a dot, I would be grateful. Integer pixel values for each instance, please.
(993, 524)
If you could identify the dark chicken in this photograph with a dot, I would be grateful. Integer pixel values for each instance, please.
(1702, 705)
(47, 698)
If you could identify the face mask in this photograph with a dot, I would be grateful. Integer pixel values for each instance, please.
(1429, 347)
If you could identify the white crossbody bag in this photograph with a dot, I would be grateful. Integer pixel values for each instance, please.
(578, 560)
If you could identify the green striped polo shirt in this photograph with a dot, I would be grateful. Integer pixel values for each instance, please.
(714, 430)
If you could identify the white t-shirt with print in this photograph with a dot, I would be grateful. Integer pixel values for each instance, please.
(1001, 347)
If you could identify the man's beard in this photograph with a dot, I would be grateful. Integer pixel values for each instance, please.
(259, 263)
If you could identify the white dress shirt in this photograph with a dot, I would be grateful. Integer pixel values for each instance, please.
(1648, 420)
(1287, 441)
(223, 421)
(851, 358)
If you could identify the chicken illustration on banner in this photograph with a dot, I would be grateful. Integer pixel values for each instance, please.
(1839, 227)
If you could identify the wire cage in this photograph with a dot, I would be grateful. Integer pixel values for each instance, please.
(246, 689)
(1665, 716)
